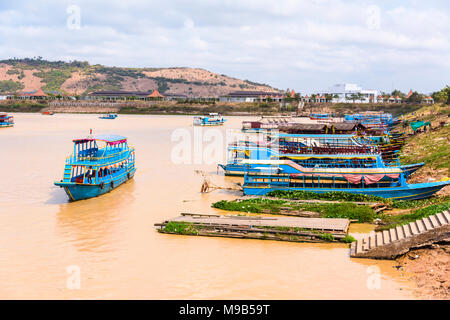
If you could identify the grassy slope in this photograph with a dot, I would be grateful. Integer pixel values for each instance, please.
(431, 147)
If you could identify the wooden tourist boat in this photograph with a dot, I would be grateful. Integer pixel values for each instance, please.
(310, 157)
(213, 119)
(270, 175)
(6, 120)
(110, 116)
(98, 165)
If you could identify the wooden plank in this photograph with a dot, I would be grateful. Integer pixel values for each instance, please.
(322, 224)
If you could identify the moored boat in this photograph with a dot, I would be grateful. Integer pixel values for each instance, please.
(269, 175)
(6, 120)
(98, 165)
(213, 119)
(109, 116)
(48, 113)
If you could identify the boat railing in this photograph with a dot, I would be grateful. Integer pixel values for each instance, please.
(327, 150)
(104, 160)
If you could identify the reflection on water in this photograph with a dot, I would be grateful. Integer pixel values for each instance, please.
(93, 230)
(114, 243)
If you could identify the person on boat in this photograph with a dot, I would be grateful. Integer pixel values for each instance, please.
(89, 175)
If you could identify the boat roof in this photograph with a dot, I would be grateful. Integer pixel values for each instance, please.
(108, 138)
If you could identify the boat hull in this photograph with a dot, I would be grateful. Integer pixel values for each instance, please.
(77, 191)
(408, 192)
(238, 169)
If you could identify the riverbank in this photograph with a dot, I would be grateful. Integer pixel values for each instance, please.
(429, 268)
(199, 107)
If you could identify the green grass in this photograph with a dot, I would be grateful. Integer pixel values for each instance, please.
(326, 237)
(334, 196)
(348, 210)
(392, 221)
(348, 239)
(431, 147)
(411, 204)
(180, 228)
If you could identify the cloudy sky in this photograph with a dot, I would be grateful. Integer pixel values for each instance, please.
(305, 45)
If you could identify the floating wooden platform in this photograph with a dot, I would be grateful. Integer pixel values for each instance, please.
(273, 228)
(389, 244)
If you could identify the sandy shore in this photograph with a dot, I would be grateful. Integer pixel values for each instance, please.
(429, 268)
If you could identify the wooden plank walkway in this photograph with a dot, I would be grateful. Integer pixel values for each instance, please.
(320, 224)
(391, 243)
(265, 228)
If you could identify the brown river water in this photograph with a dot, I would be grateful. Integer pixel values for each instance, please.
(112, 245)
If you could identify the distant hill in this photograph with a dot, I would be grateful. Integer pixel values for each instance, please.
(79, 77)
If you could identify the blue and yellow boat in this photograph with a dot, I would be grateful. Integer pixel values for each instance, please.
(6, 120)
(270, 175)
(98, 165)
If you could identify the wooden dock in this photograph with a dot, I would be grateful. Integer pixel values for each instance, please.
(389, 244)
(273, 228)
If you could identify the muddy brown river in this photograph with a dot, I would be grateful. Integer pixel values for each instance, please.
(108, 248)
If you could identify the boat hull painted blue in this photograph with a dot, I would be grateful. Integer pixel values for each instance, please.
(77, 191)
(408, 192)
(238, 169)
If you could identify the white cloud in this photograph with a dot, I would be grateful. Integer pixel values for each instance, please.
(286, 43)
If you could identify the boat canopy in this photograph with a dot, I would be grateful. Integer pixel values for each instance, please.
(109, 139)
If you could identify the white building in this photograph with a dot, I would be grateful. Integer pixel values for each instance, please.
(350, 92)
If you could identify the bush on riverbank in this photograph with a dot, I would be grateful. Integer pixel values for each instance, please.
(22, 107)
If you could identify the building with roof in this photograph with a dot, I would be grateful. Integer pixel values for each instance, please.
(133, 95)
(251, 96)
(35, 94)
(350, 92)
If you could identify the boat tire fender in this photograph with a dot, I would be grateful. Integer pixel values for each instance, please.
(112, 184)
(102, 185)
(128, 176)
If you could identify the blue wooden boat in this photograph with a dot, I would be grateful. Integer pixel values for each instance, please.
(110, 116)
(98, 165)
(325, 151)
(270, 175)
(213, 119)
(6, 120)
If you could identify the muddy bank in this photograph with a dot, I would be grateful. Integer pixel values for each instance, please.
(429, 268)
